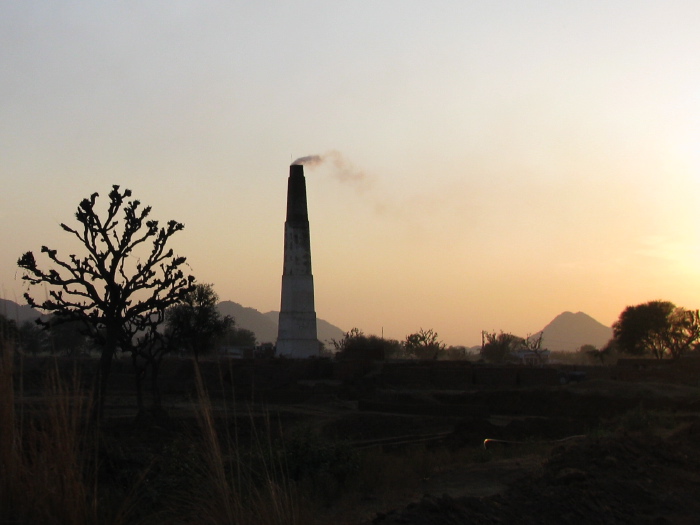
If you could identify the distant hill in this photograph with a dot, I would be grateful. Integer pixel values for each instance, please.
(568, 332)
(251, 319)
(265, 324)
(18, 313)
(325, 330)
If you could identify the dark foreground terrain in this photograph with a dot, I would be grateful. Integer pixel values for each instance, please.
(362, 451)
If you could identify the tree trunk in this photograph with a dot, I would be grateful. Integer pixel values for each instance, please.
(103, 371)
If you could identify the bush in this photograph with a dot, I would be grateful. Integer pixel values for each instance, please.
(308, 456)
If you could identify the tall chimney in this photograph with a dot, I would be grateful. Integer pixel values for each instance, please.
(297, 322)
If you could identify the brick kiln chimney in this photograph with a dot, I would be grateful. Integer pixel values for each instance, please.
(297, 322)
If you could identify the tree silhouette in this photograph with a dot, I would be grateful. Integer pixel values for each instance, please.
(596, 354)
(195, 322)
(423, 344)
(501, 347)
(120, 289)
(32, 339)
(657, 327)
(533, 343)
(356, 345)
(684, 331)
(239, 336)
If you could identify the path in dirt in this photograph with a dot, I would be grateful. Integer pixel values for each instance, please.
(624, 478)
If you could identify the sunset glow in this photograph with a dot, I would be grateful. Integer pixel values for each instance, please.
(487, 165)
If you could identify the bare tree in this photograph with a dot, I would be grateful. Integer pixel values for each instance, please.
(120, 288)
(533, 343)
(424, 344)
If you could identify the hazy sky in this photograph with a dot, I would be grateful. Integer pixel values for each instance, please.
(491, 165)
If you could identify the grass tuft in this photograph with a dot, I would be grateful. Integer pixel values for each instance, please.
(242, 485)
(48, 473)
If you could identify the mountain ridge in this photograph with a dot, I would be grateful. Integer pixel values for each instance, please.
(264, 325)
(18, 312)
(569, 331)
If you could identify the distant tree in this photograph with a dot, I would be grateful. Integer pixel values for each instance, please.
(639, 329)
(349, 338)
(684, 332)
(595, 354)
(501, 347)
(324, 350)
(120, 288)
(424, 344)
(353, 333)
(658, 328)
(457, 353)
(66, 337)
(194, 324)
(533, 343)
(393, 349)
(32, 339)
(356, 345)
(240, 337)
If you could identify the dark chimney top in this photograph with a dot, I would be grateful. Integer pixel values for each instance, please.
(296, 195)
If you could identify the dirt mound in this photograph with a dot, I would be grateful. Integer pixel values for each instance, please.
(622, 478)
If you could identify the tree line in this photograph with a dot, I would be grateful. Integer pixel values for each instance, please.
(423, 344)
(656, 329)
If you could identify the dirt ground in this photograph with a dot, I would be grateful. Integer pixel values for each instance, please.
(594, 452)
(631, 478)
(642, 469)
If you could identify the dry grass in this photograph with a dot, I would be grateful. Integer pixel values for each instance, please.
(49, 465)
(239, 485)
(48, 474)
(48, 453)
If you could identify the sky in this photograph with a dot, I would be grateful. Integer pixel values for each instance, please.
(488, 165)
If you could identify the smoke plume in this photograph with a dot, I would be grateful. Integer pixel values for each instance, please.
(309, 160)
(343, 170)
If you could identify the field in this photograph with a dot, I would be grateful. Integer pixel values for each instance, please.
(291, 442)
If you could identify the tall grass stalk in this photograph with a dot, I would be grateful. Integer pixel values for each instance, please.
(240, 485)
(8, 437)
(46, 478)
(48, 464)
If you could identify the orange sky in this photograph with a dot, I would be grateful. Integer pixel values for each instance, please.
(501, 162)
